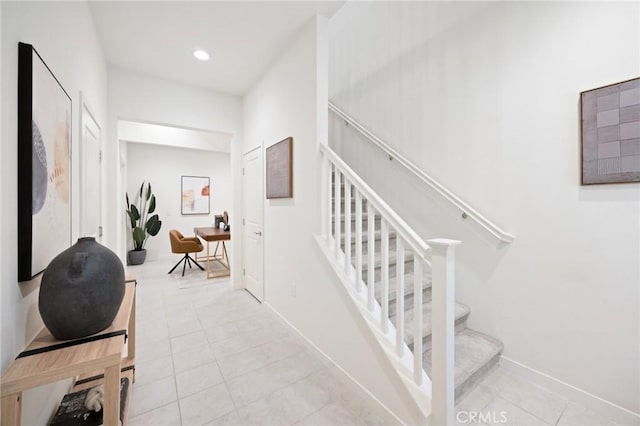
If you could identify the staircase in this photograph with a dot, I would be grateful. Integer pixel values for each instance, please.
(404, 288)
(475, 352)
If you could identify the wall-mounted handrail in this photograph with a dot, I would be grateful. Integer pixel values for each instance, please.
(467, 210)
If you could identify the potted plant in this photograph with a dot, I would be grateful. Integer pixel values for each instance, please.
(142, 225)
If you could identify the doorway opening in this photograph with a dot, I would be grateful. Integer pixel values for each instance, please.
(169, 157)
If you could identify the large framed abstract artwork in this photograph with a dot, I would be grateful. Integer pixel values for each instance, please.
(195, 195)
(44, 165)
(280, 169)
(611, 133)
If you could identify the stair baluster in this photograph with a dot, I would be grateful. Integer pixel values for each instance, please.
(384, 291)
(371, 242)
(358, 241)
(347, 229)
(400, 297)
(328, 195)
(417, 318)
(336, 205)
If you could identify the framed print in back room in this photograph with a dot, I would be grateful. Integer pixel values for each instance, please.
(196, 192)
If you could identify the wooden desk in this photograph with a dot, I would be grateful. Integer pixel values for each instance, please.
(102, 356)
(218, 236)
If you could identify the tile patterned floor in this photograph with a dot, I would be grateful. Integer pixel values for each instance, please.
(209, 355)
(503, 398)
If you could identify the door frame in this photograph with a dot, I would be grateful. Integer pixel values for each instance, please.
(262, 203)
(84, 108)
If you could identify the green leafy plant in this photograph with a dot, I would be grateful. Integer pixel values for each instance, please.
(143, 225)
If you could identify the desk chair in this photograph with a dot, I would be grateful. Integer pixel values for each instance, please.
(184, 245)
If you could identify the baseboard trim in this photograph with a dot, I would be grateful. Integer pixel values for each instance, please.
(392, 417)
(581, 397)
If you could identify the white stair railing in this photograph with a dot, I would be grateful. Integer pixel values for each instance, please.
(339, 179)
(467, 212)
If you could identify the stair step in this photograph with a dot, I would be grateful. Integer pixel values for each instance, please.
(461, 315)
(365, 217)
(365, 224)
(353, 199)
(377, 248)
(408, 291)
(408, 286)
(475, 355)
(365, 239)
(408, 264)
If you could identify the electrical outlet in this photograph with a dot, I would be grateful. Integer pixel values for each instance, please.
(294, 290)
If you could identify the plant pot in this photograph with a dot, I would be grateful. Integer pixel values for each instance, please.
(81, 290)
(136, 257)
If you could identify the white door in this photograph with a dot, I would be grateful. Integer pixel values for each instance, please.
(252, 202)
(91, 175)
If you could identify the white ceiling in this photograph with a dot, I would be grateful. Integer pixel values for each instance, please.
(158, 38)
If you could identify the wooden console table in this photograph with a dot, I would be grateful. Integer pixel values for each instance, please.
(47, 360)
(218, 236)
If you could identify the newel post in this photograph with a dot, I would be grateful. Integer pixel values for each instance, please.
(443, 329)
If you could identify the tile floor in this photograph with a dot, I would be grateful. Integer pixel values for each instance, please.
(209, 355)
(504, 398)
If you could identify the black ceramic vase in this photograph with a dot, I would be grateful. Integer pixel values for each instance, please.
(81, 290)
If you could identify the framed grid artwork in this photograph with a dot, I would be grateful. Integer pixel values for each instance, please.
(611, 133)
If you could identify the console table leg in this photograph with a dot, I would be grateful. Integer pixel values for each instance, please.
(11, 409)
(111, 407)
(131, 344)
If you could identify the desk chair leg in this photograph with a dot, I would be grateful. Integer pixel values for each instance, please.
(178, 264)
(186, 259)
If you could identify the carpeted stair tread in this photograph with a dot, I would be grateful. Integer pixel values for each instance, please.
(365, 217)
(408, 259)
(365, 238)
(475, 353)
(461, 315)
(353, 201)
(408, 286)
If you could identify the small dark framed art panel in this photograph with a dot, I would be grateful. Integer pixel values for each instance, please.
(195, 192)
(280, 169)
(44, 164)
(611, 133)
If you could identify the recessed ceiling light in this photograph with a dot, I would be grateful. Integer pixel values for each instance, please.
(201, 54)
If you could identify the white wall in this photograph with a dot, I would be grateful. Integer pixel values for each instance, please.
(142, 98)
(156, 134)
(163, 167)
(64, 35)
(289, 101)
(485, 98)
